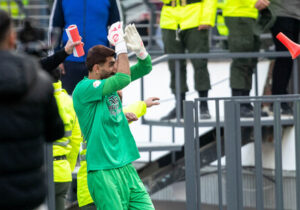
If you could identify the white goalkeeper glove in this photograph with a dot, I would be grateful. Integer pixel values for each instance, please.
(134, 41)
(116, 38)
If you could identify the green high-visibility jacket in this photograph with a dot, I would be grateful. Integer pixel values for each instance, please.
(68, 145)
(188, 16)
(240, 8)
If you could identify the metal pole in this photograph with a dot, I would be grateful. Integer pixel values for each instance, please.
(150, 140)
(297, 149)
(152, 8)
(278, 157)
(256, 81)
(142, 89)
(50, 199)
(142, 95)
(190, 159)
(258, 156)
(231, 136)
(173, 141)
(238, 155)
(295, 75)
(197, 151)
(178, 89)
(219, 153)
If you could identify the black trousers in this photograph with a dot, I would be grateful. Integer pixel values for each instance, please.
(283, 66)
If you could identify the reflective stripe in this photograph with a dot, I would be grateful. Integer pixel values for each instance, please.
(68, 133)
(82, 157)
(63, 144)
(57, 90)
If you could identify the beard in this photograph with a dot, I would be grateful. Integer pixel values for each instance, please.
(106, 74)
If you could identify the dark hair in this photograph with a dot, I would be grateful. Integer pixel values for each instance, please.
(5, 24)
(98, 55)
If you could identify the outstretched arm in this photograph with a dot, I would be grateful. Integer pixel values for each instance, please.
(139, 108)
(51, 62)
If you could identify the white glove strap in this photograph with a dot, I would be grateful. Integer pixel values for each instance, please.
(142, 54)
(121, 48)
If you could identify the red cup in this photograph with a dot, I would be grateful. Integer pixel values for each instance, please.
(73, 35)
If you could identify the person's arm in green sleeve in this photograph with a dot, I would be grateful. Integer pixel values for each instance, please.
(115, 83)
(142, 68)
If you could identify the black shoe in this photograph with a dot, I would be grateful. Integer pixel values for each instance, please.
(172, 115)
(204, 113)
(286, 109)
(245, 111)
(262, 113)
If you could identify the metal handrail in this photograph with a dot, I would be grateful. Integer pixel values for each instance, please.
(232, 125)
(216, 55)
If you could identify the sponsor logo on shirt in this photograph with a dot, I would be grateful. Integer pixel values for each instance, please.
(96, 83)
(113, 105)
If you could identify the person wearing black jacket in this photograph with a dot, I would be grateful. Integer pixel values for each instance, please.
(28, 117)
(50, 63)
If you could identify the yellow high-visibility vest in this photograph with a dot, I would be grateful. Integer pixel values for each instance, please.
(178, 13)
(12, 8)
(221, 26)
(68, 145)
(240, 8)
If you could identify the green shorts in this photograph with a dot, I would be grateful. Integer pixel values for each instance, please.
(118, 189)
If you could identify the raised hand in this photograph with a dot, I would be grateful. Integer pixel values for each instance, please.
(134, 41)
(70, 46)
(116, 37)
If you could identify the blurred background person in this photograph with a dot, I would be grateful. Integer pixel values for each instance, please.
(66, 149)
(92, 19)
(185, 25)
(240, 18)
(28, 117)
(288, 22)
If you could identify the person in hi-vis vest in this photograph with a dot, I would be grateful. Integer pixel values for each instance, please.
(185, 26)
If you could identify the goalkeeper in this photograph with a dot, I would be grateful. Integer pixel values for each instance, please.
(132, 113)
(112, 180)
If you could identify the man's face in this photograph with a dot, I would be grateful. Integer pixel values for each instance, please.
(109, 68)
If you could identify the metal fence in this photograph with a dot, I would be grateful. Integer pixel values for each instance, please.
(232, 125)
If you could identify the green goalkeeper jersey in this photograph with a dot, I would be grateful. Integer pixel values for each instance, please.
(110, 143)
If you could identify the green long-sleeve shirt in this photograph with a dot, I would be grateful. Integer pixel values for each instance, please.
(110, 143)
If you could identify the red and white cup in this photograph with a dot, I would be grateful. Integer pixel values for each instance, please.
(73, 35)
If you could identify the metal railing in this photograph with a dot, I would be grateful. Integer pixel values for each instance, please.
(212, 56)
(233, 141)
